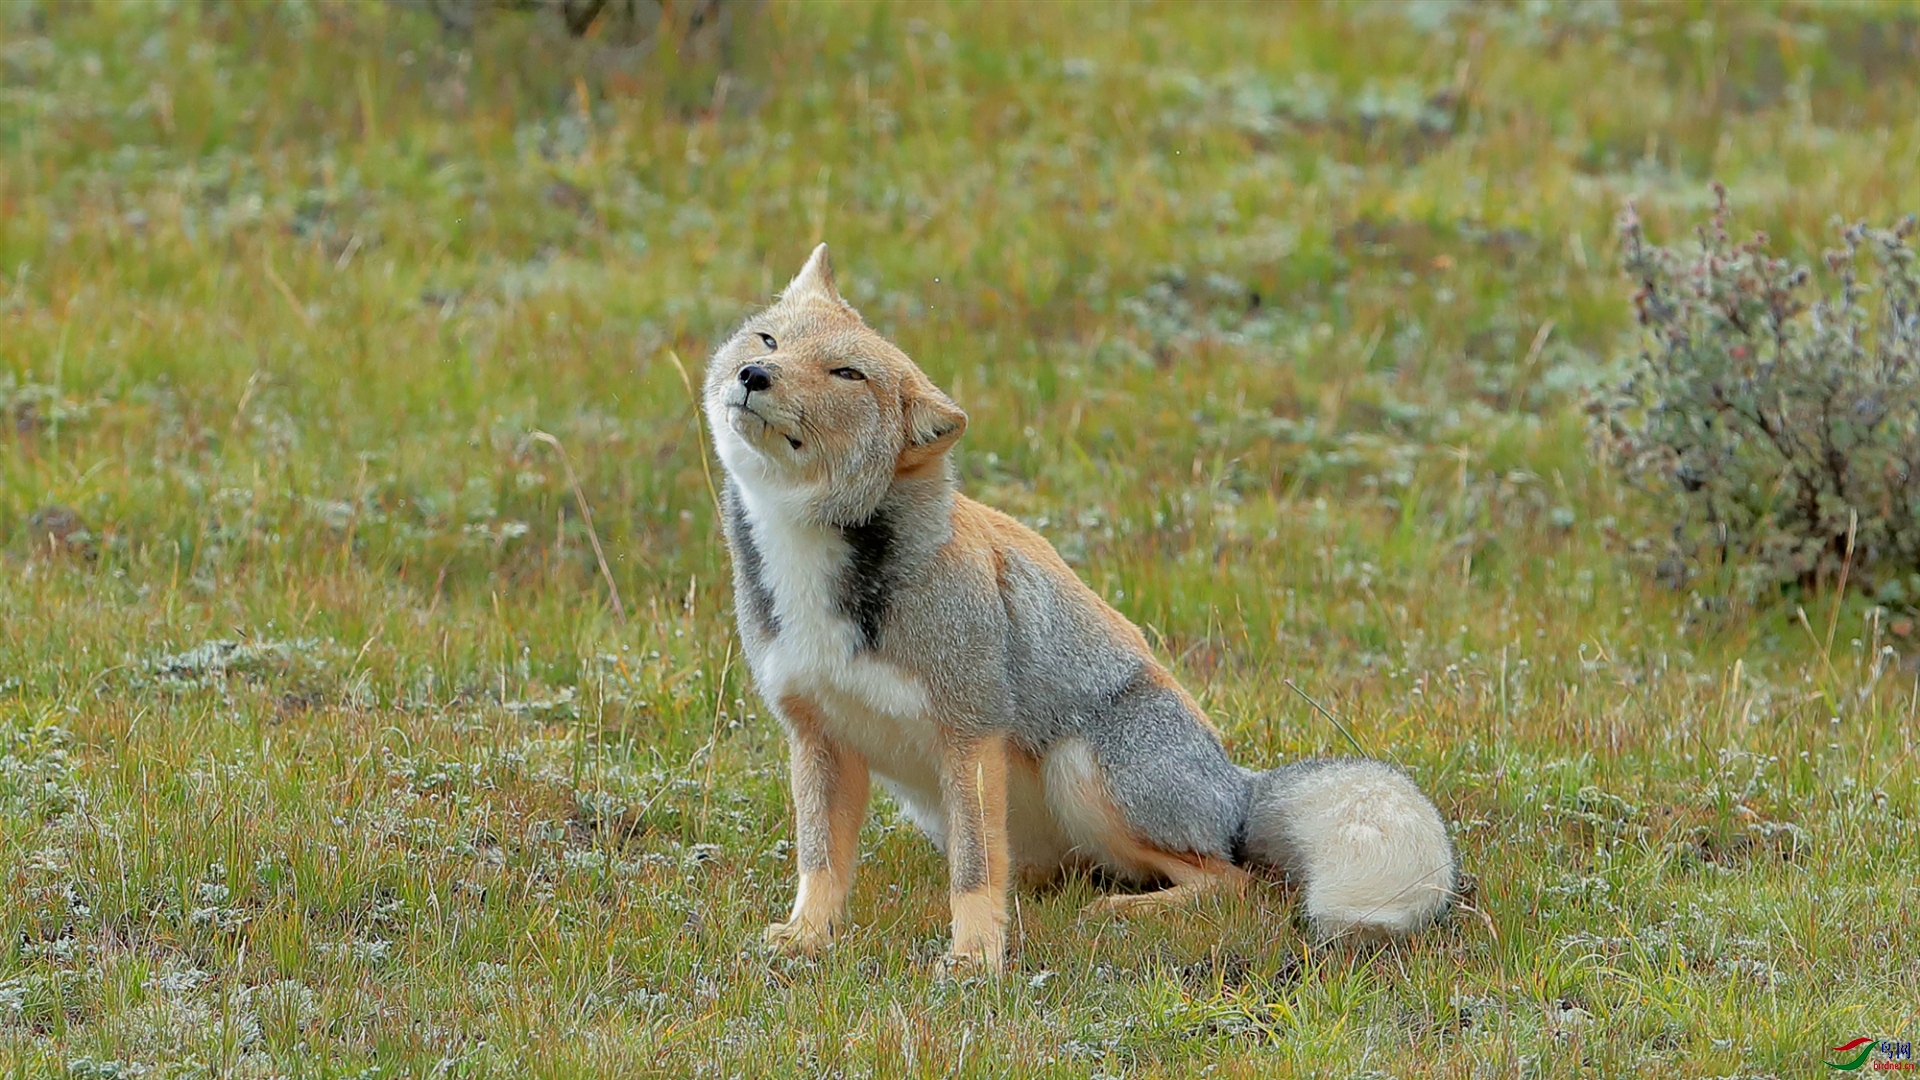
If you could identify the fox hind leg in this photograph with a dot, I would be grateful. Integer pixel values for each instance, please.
(1080, 794)
(1191, 879)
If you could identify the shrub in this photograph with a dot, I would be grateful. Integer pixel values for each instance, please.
(1777, 417)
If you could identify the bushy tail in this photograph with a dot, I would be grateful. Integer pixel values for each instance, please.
(1367, 850)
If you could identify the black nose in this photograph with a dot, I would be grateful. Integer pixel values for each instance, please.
(755, 378)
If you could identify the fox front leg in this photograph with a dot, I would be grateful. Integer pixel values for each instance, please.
(974, 788)
(829, 802)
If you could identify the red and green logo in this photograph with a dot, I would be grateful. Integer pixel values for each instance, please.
(1864, 1045)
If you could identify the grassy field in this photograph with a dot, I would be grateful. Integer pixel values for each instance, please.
(327, 753)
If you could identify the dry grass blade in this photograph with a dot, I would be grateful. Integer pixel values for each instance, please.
(1840, 594)
(586, 516)
(286, 293)
(1332, 719)
(700, 425)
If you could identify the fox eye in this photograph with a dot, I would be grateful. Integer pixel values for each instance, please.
(767, 339)
(852, 374)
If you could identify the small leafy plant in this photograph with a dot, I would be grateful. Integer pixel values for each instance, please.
(1780, 421)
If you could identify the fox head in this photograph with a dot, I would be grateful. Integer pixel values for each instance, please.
(811, 408)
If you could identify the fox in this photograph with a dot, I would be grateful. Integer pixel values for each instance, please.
(903, 633)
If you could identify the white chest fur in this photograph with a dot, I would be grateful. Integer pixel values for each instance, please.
(876, 707)
(880, 709)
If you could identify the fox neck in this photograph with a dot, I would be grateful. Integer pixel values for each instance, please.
(821, 572)
(845, 502)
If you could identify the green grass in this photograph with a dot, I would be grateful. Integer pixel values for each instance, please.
(1275, 321)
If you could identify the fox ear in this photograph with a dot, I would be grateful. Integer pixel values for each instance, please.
(934, 423)
(814, 279)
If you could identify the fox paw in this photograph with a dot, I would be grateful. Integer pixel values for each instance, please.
(1125, 905)
(983, 953)
(961, 965)
(799, 937)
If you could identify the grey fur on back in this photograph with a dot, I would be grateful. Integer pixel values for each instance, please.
(1055, 666)
(1072, 675)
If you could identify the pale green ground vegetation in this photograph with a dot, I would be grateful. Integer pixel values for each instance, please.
(327, 755)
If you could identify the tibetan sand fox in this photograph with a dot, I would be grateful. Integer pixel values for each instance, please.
(904, 633)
